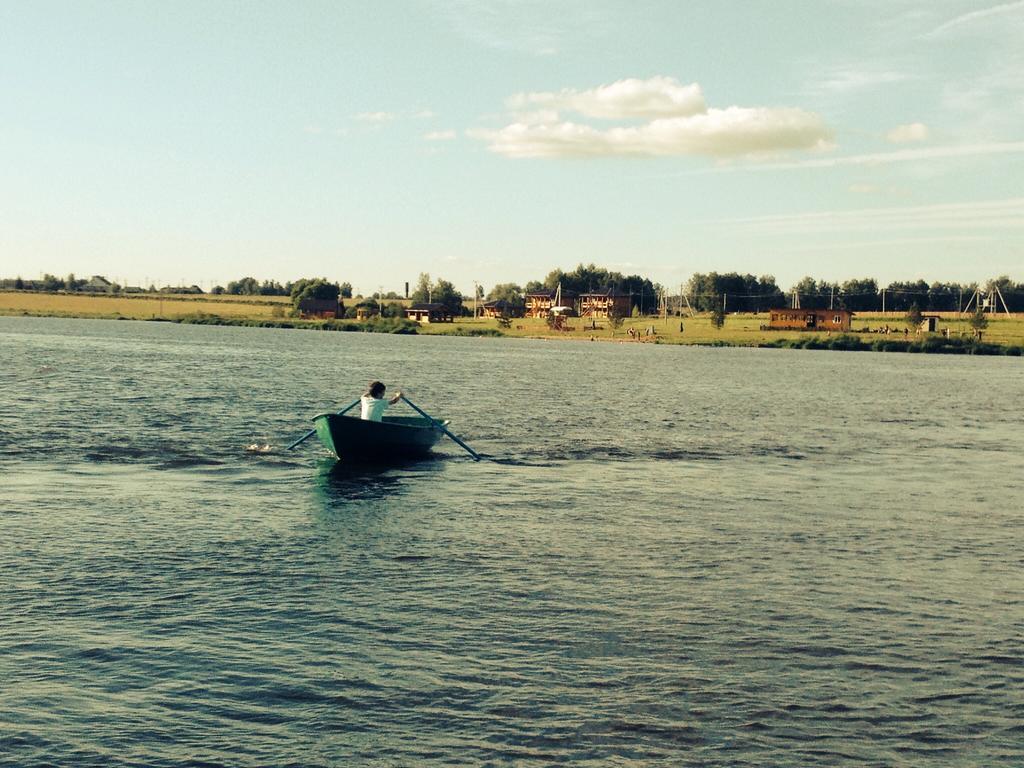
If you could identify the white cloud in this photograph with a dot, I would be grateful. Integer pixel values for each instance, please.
(885, 158)
(904, 134)
(973, 16)
(375, 117)
(846, 80)
(988, 214)
(623, 99)
(425, 114)
(439, 136)
(677, 123)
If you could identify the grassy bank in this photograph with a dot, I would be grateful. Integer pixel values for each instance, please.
(1005, 335)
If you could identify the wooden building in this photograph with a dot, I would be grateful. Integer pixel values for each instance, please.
(429, 313)
(366, 311)
(809, 319)
(501, 307)
(326, 308)
(602, 304)
(540, 303)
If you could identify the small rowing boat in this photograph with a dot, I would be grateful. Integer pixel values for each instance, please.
(396, 437)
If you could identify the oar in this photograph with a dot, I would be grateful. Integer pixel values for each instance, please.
(312, 432)
(439, 425)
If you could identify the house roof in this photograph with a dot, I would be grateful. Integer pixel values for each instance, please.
(824, 311)
(551, 294)
(428, 307)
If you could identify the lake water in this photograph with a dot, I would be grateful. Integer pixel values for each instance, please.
(673, 556)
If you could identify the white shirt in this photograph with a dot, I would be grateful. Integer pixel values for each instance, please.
(373, 407)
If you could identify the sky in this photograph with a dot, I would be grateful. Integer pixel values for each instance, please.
(491, 141)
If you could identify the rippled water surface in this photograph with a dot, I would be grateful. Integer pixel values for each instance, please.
(672, 556)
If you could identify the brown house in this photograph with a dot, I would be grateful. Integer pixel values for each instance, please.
(319, 307)
(809, 319)
(540, 303)
(501, 307)
(429, 313)
(603, 304)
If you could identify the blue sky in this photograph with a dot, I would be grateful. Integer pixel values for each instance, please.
(493, 141)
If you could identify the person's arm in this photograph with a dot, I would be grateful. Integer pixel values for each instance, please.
(396, 398)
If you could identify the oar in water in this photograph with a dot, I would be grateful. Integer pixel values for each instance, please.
(439, 425)
(312, 432)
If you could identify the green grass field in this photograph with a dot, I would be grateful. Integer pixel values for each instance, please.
(739, 330)
(145, 306)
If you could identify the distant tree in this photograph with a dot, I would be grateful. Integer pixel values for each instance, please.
(900, 295)
(534, 286)
(51, 282)
(394, 309)
(615, 319)
(978, 321)
(508, 292)
(422, 292)
(318, 288)
(860, 295)
(70, 284)
(313, 288)
(19, 284)
(443, 292)
(718, 316)
(505, 318)
(272, 288)
(247, 286)
(217, 290)
(914, 317)
(346, 290)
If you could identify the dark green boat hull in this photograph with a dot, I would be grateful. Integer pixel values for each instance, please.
(395, 438)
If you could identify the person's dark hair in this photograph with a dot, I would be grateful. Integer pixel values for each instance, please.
(376, 389)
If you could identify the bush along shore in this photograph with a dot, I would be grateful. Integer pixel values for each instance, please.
(373, 325)
(935, 345)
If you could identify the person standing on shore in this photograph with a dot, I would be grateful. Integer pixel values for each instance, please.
(373, 402)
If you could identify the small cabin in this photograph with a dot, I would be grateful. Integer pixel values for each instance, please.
(324, 308)
(604, 304)
(366, 311)
(929, 324)
(429, 313)
(809, 319)
(501, 308)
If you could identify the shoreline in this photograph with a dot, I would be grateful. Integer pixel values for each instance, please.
(847, 342)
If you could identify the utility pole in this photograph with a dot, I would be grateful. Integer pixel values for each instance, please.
(476, 293)
(831, 299)
(883, 300)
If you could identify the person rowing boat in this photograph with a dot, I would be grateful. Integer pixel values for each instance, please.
(373, 402)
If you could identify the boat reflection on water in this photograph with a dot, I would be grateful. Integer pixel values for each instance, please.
(338, 482)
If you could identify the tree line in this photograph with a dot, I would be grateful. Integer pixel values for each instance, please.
(731, 291)
(746, 293)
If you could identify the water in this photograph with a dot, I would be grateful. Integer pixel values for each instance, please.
(673, 556)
